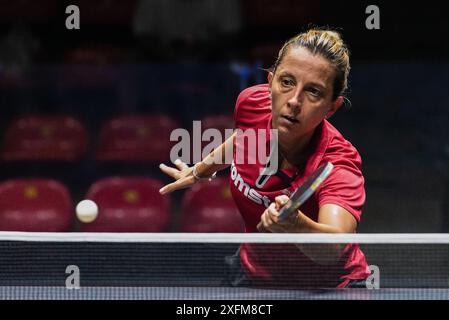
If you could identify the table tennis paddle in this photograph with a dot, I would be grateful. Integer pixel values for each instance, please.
(304, 192)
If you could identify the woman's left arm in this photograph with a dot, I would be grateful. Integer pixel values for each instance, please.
(331, 219)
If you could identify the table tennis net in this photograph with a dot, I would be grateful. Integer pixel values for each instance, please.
(207, 261)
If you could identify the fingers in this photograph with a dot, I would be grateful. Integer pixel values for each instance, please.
(172, 172)
(182, 181)
(269, 217)
(180, 165)
(280, 201)
(261, 228)
(178, 184)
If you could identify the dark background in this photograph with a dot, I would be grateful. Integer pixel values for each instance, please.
(114, 65)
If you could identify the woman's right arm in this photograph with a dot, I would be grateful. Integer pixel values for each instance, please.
(217, 160)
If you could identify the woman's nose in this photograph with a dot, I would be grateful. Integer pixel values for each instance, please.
(295, 101)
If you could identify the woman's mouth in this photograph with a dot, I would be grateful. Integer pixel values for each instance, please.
(290, 119)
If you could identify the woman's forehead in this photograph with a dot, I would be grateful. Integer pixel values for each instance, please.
(300, 62)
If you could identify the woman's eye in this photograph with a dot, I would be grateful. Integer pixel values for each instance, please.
(286, 82)
(315, 92)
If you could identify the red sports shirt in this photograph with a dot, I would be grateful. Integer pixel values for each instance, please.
(284, 265)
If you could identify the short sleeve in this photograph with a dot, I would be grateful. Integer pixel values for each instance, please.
(252, 106)
(344, 188)
(242, 96)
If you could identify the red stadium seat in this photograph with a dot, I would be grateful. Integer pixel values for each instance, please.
(129, 204)
(209, 207)
(42, 137)
(89, 67)
(35, 205)
(99, 54)
(137, 138)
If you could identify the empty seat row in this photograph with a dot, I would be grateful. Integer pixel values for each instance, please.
(125, 138)
(126, 204)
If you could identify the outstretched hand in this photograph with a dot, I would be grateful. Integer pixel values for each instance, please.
(182, 174)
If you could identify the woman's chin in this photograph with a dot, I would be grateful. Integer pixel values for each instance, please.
(286, 126)
(283, 129)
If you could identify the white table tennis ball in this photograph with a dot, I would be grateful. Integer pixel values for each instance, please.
(86, 211)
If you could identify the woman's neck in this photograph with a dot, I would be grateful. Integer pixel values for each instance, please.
(293, 150)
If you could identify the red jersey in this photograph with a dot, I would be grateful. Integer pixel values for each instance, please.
(285, 264)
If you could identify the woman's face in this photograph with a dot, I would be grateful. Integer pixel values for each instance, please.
(301, 93)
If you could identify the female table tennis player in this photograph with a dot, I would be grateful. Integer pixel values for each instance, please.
(306, 86)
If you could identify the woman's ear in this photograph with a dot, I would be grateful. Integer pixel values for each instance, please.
(270, 81)
(270, 77)
(335, 105)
